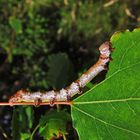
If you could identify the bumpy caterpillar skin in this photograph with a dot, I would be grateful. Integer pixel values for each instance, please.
(66, 93)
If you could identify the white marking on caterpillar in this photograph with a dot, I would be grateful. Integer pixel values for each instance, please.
(65, 94)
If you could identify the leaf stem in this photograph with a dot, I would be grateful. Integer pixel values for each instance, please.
(32, 135)
(64, 137)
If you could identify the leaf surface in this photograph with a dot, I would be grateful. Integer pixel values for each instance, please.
(60, 70)
(53, 124)
(16, 24)
(111, 110)
(22, 121)
(15, 125)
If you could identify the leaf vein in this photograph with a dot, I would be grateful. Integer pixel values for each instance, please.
(125, 54)
(118, 127)
(109, 131)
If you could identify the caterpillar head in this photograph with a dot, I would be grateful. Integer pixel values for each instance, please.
(105, 49)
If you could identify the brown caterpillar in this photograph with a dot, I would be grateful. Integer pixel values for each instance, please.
(66, 93)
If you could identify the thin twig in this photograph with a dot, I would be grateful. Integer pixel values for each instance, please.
(32, 135)
(64, 137)
(32, 103)
(111, 2)
(4, 134)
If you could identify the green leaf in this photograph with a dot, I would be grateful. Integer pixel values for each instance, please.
(26, 117)
(22, 121)
(53, 124)
(16, 24)
(30, 115)
(60, 70)
(25, 136)
(15, 125)
(111, 109)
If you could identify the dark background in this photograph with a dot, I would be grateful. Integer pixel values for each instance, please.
(46, 44)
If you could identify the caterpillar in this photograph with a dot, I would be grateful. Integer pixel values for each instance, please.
(65, 94)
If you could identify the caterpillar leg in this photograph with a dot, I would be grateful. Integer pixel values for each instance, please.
(37, 102)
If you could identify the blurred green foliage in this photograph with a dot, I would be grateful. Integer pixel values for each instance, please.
(53, 124)
(60, 70)
(46, 44)
(22, 121)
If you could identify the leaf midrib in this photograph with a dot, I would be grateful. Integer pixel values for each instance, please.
(109, 101)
